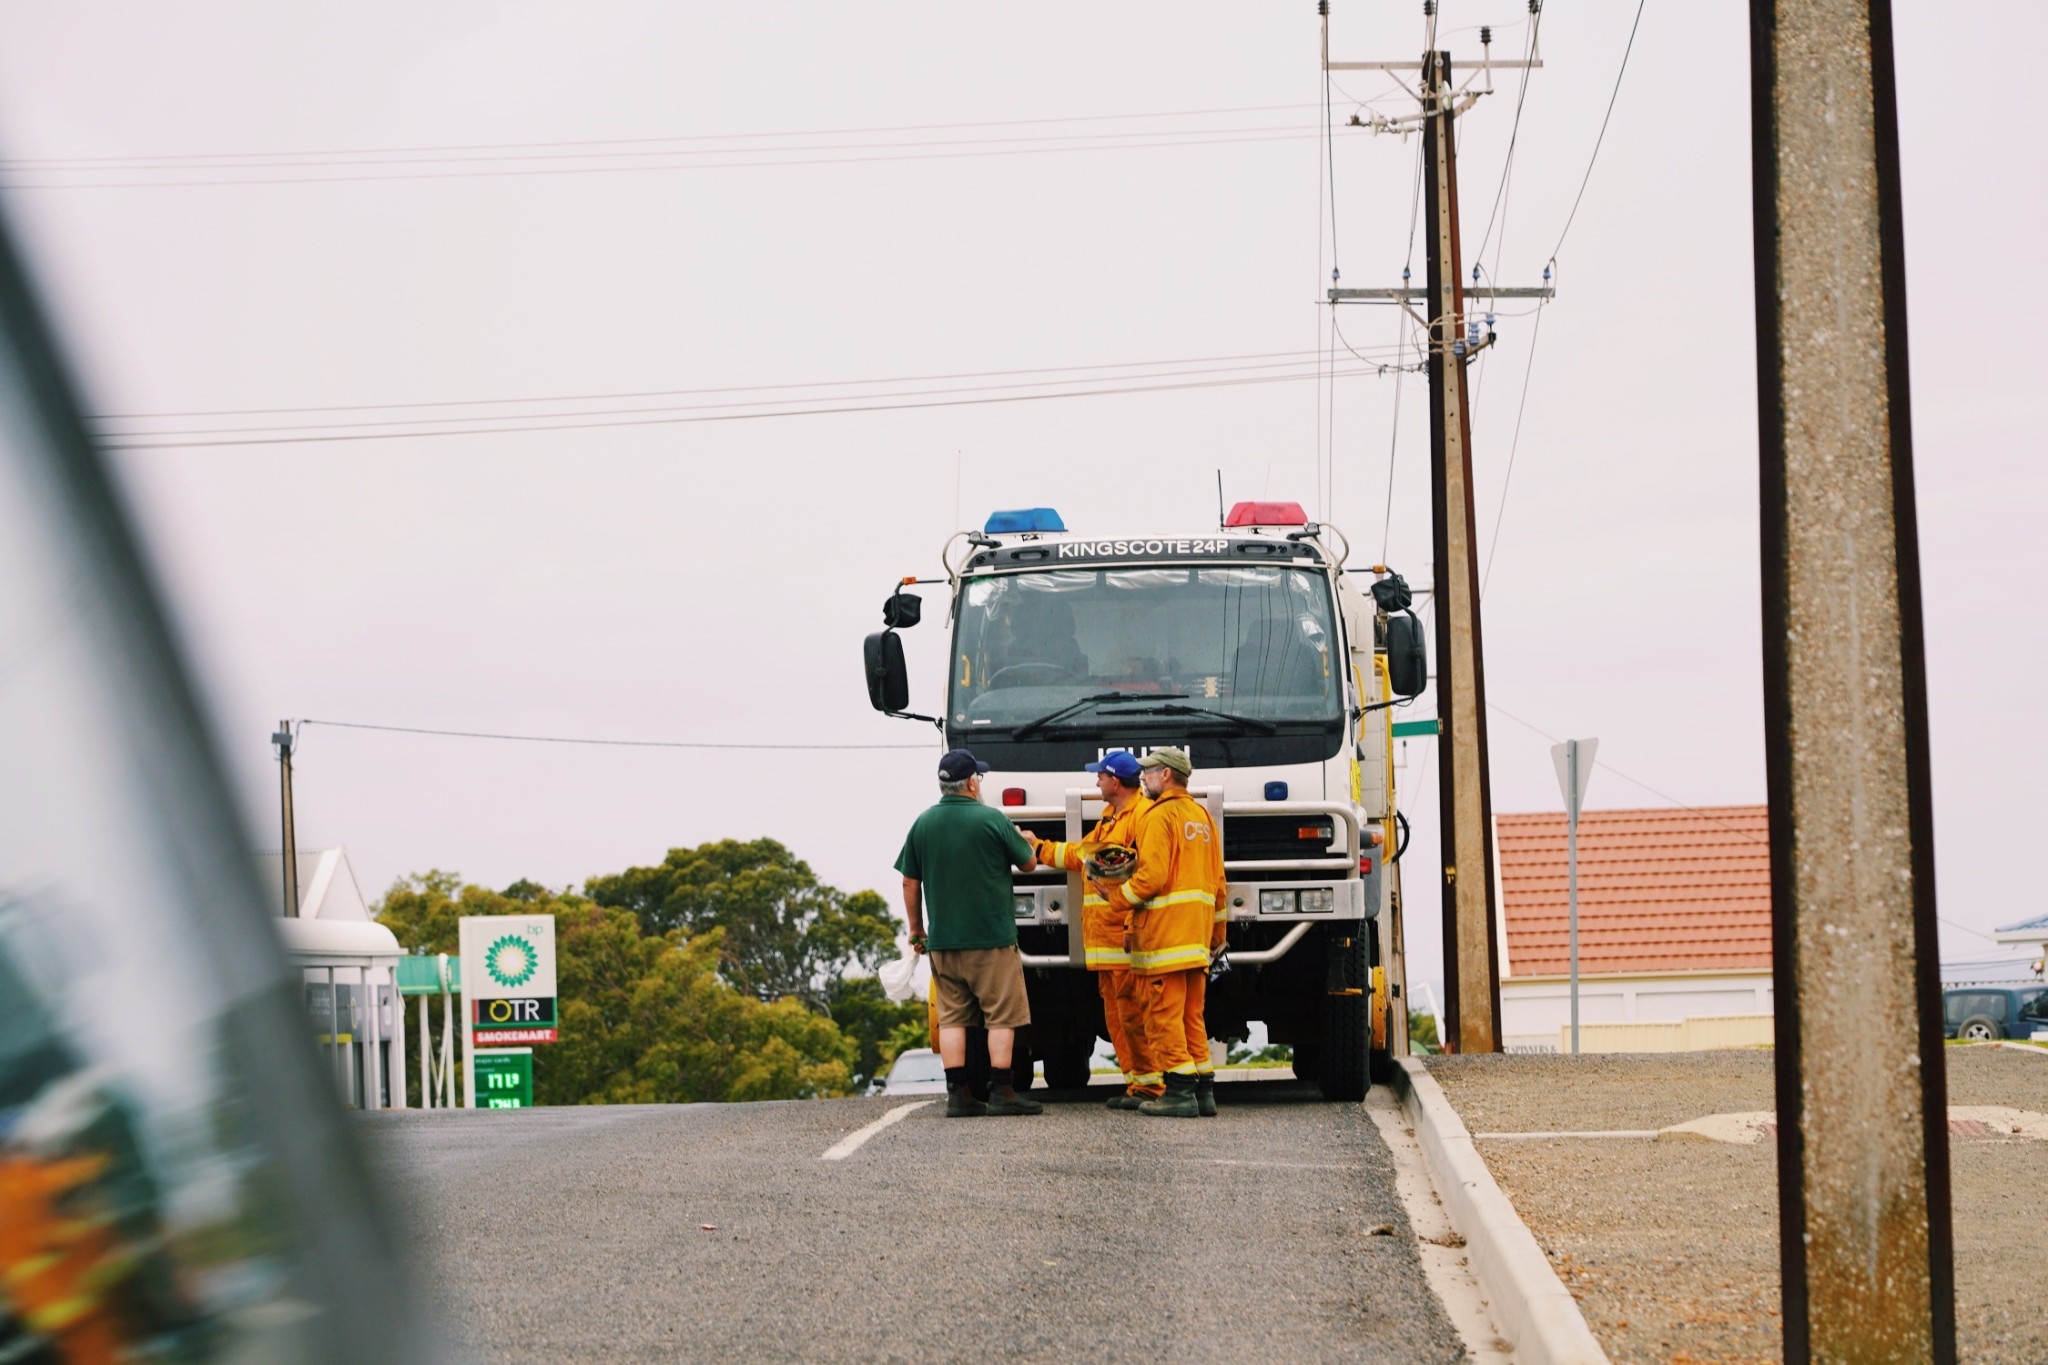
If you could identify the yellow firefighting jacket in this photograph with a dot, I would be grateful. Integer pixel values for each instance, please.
(1177, 891)
(1102, 928)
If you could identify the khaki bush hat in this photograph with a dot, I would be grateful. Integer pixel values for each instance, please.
(1175, 759)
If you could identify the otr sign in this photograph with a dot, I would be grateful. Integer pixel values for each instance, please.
(513, 1012)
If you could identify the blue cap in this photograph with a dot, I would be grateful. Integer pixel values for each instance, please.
(1118, 764)
(958, 765)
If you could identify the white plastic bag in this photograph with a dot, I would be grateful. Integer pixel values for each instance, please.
(907, 978)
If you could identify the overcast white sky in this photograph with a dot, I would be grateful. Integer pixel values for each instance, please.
(711, 581)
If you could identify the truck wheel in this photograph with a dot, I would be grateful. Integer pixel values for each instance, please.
(1346, 1070)
(1978, 1029)
(1067, 1063)
(1308, 1061)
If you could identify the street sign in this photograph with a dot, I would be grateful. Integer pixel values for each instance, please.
(508, 980)
(504, 1077)
(1574, 762)
(1561, 759)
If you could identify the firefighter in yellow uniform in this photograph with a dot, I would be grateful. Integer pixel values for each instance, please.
(1174, 898)
(1103, 930)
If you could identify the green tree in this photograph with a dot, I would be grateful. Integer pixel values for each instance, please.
(644, 1019)
(1422, 1033)
(786, 933)
(871, 1021)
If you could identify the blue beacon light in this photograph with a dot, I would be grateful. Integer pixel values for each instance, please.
(1023, 519)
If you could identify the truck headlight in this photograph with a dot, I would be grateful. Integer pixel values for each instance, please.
(1024, 905)
(1276, 902)
(1320, 900)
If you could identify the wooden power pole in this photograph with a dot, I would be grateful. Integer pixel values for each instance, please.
(1471, 947)
(282, 742)
(1465, 802)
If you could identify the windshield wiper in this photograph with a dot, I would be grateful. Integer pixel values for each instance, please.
(1049, 717)
(1266, 727)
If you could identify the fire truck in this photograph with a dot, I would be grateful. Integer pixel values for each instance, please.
(1278, 669)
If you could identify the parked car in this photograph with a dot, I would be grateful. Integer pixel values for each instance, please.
(916, 1071)
(1981, 1013)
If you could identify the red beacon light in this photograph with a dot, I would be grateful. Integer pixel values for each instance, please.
(1013, 796)
(1266, 514)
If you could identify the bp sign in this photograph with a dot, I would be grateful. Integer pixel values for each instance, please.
(508, 975)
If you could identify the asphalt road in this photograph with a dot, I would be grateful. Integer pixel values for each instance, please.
(670, 1232)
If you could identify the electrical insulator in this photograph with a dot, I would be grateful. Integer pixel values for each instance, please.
(1546, 274)
(1458, 348)
(1475, 277)
(1404, 274)
(1333, 274)
(1486, 35)
(1428, 8)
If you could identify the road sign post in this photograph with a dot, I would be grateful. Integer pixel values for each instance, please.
(508, 983)
(1574, 762)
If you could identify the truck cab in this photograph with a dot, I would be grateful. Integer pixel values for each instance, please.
(1252, 648)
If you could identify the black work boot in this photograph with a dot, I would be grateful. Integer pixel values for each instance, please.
(1205, 1096)
(1177, 1103)
(1126, 1100)
(1005, 1100)
(961, 1104)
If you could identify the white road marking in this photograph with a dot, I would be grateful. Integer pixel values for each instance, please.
(1539, 1137)
(851, 1143)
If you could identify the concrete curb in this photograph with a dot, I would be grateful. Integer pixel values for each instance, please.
(1529, 1304)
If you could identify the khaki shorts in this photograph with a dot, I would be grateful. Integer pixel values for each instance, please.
(980, 988)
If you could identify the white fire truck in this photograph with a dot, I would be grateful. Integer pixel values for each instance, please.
(1278, 669)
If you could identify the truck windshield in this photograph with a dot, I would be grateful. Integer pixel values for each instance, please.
(1255, 643)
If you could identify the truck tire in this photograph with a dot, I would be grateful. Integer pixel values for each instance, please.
(1068, 1062)
(1345, 1072)
(1978, 1029)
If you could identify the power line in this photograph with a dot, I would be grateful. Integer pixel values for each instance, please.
(1603, 130)
(637, 170)
(702, 407)
(1507, 165)
(648, 141)
(1299, 356)
(601, 743)
(148, 166)
(141, 442)
(1501, 512)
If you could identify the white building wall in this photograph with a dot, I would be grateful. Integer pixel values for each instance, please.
(1533, 1011)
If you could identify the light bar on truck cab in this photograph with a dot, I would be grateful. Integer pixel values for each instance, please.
(1023, 519)
(1266, 514)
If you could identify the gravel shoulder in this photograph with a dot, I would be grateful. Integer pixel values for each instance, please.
(1671, 1247)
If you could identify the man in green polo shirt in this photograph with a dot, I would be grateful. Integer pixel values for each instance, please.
(963, 852)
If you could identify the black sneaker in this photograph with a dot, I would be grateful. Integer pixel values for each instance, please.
(1016, 1104)
(961, 1104)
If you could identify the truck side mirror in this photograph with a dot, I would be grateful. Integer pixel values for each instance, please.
(902, 611)
(888, 678)
(1407, 659)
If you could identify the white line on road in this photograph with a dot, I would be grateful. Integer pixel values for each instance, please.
(1542, 1137)
(851, 1143)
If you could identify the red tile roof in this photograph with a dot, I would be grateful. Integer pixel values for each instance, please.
(1659, 891)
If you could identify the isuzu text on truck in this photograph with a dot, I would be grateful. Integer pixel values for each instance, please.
(1253, 648)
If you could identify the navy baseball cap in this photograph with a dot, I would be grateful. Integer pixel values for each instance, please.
(1119, 765)
(958, 765)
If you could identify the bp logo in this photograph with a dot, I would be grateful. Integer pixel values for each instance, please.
(510, 961)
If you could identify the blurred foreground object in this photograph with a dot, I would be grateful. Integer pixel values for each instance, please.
(175, 1179)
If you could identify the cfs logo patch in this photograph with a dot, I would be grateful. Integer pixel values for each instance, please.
(1195, 831)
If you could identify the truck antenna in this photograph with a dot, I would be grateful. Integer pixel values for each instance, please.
(1219, 499)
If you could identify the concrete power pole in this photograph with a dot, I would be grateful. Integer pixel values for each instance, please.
(1864, 1220)
(282, 742)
